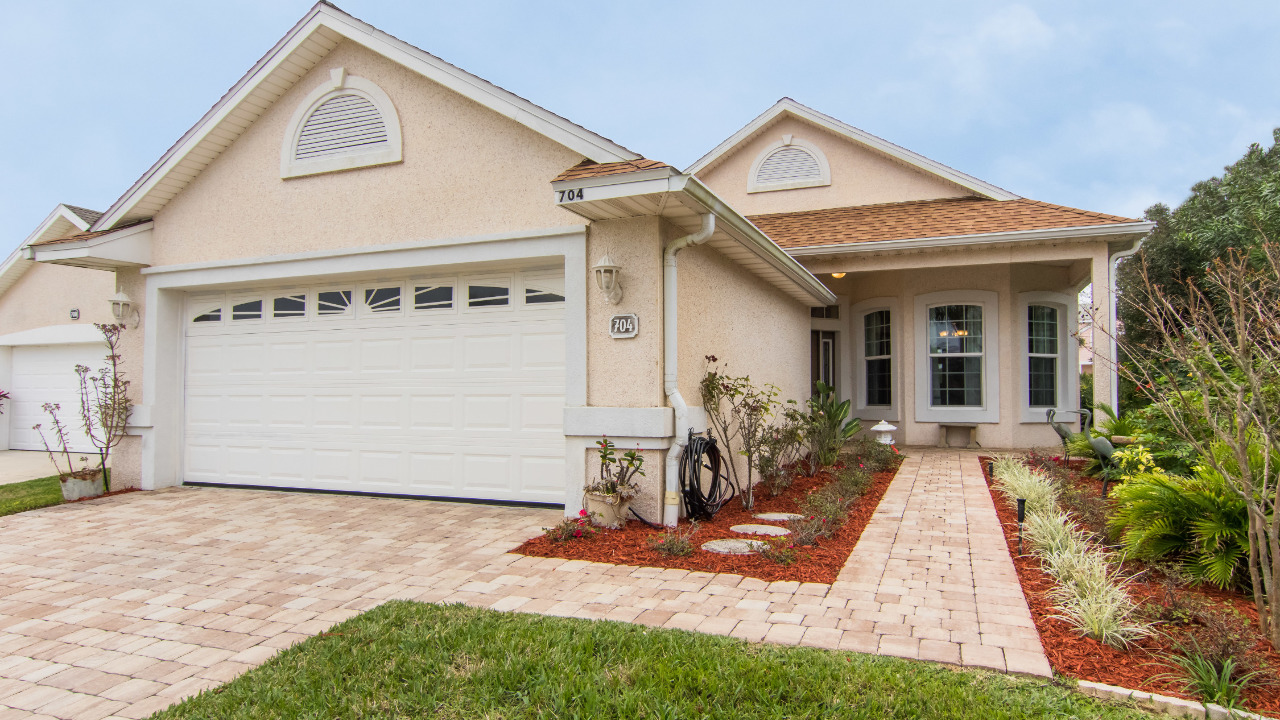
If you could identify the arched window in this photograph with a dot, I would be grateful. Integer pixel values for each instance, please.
(787, 165)
(345, 124)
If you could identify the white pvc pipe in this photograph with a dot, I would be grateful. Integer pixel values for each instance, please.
(670, 366)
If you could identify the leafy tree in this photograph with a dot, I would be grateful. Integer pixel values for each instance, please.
(1234, 211)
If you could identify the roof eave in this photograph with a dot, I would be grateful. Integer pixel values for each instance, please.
(1135, 231)
(126, 248)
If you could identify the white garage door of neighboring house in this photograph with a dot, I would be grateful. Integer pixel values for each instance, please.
(46, 374)
(443, 386)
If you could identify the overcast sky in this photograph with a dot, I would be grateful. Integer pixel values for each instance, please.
(1109, 106)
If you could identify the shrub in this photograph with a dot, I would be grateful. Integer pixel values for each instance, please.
(1109, 616)
(1212, 678)
(873, 456)
(828, 427)
(827, 503)
(675, 541)
(780, 550)
(806, 531)
(1017, 480)
(571, 528)
(1197, 520)
(781, 446)
(852, 482)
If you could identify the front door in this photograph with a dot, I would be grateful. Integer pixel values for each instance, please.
(822, 359)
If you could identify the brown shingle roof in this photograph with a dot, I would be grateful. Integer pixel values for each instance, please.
(85, 214)
(922, 219)
(587, 168)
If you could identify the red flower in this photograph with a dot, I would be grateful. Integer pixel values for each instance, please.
(582, 512)
(577, 533)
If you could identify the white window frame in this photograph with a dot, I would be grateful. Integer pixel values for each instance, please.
(513, 299)
(269, 305)
(989, 411)
(228, 315)
(840, 326)
(362, 306)
(1068, 389)
(553, 280)
(341, 84)
(858, 316)
(824, 168)
(411, 288)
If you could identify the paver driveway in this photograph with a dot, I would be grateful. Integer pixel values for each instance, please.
(121, 606)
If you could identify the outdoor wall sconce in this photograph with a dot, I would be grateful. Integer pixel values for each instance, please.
(886, 432)
(607, 279)
(123, 309)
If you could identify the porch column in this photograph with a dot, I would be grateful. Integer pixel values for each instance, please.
(1104, 349)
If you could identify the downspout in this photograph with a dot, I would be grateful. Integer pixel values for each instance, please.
(1113, 322)
(670, 367)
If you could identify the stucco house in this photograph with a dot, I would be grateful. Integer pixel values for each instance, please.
(367, 270)
(46, 329)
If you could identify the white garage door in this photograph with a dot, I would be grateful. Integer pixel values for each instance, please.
(445, 386)
(46, 374)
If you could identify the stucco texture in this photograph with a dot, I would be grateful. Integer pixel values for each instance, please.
(46, 294)
(1006, 280)
(859, 175)
(466, 171)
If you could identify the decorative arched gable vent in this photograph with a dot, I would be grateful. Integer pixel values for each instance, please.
(346, 124)
(789, 164)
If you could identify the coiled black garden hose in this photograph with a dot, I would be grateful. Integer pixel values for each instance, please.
(701, 453)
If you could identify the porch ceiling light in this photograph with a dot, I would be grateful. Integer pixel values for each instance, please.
(608, 279)
(837, 275)
(123, 309)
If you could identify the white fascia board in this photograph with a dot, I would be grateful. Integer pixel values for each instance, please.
(575, 137)
(130, 247)
(787, 105)
(742, 230)
(1083, 232)
(54, 335)
(17, 264)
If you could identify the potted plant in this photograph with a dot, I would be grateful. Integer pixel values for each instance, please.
(76, 484)
(609, 497)
(105, 408)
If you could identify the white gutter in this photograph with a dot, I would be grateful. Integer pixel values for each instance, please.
(670, 367)
(1067, 233)
(1112, 321)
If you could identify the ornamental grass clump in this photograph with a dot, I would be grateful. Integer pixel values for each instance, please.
(1089, 592)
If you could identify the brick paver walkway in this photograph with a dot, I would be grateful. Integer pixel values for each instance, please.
(122, 606)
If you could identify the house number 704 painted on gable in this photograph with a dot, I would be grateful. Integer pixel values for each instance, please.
(624, 326)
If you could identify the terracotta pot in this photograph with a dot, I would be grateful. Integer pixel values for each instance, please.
(609, 511)
(83, 484)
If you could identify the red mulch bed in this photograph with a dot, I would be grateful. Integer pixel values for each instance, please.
(819, 563)
(1087, 659)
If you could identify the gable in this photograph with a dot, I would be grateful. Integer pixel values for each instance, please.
(465, 170)
(858, 174)
(46, 294)
(308, 43)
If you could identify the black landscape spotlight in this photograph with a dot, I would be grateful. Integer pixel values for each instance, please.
(1022, 515)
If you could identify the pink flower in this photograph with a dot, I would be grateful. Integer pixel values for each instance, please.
(577, 533)
(582, 512)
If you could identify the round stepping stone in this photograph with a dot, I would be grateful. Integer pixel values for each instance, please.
(734, 547)
(773, 530)
(778, 517)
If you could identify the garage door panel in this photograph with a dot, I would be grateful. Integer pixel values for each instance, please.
(461, 403)
(46, 374)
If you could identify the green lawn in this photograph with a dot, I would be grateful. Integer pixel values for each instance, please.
(29, 495)
(410, 660)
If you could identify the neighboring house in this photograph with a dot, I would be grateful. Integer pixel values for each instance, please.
(366, 270)
(46, 329)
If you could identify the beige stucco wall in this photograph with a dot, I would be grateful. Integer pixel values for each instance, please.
(46, 294)
(467, 171)
(1006, 279)
(126, 465)
(859, 176)
(750, 326)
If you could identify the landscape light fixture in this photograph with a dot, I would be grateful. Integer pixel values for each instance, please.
(607, 278)
(886, 432)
